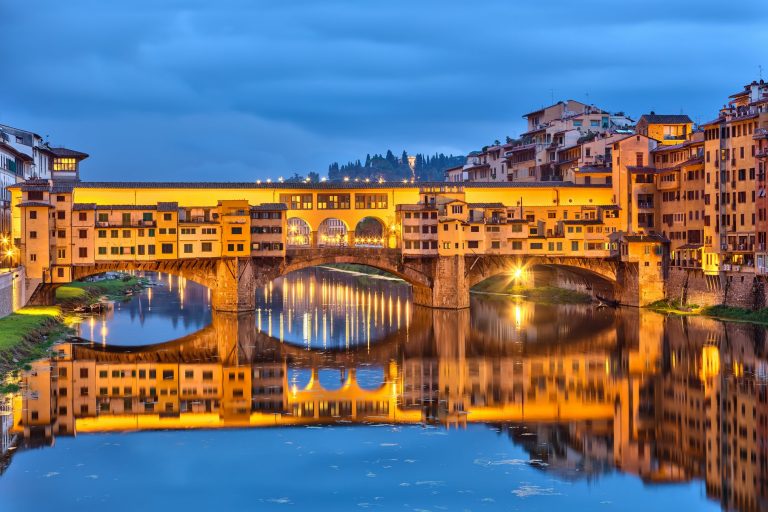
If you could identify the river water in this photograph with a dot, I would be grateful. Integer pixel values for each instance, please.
(338, 393)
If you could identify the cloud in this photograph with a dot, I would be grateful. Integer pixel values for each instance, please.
(243, 89)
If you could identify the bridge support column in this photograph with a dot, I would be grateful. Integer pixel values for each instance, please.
(638, 285)
(235, 286)
(450, 287)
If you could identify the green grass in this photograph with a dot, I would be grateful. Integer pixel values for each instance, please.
(15, 326)
(737, 314)
(722, 312)
(110, 287)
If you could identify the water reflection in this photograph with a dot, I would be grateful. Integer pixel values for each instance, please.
(583, 392)
(328, 309)
(169, 308)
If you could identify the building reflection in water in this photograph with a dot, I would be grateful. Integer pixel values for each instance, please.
(582, 390)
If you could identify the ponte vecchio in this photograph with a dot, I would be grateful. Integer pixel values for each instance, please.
(440, 237)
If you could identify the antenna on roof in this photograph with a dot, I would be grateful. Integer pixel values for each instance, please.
(760, 71)
(552, 96)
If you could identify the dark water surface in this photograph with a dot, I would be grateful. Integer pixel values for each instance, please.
(339, 394)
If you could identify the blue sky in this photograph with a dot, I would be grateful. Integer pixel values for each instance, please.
(249, 89)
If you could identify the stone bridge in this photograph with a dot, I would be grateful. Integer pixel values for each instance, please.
(437, 281)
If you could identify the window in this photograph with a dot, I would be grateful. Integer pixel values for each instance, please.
(64, 164)
(32, 215)
(457, 209)
(102, 251)
(61, 215)
(237, 231)
(82, 216)
(61, 253)
(333, 201)
(82, 252)
(103, 217)
(297, 201)
(146, 216)
(167, 216)
(239, 247)
(82, 233)
(166, 248)
(370, 201)
(33, 234)
(206, 247)
(61, 233)
(187, 248)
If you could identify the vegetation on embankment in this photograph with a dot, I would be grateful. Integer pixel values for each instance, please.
(87, 292)
(501, 285)
(26, 335)
(721, 312)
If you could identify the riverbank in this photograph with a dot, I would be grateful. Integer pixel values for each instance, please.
(502, 286)
(719, 312)
(29, 333)
(85, 293)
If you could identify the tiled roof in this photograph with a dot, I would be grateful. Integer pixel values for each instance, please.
(591, 170)
(34, 203)
(486, 205)
(666, 118)
(270, 206)
(64, 152)
(327, 185)
(83, 206)
(167, 207)
(126, 207)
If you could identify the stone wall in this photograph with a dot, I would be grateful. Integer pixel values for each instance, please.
(6, 294)
(738, 289)
(12, 291)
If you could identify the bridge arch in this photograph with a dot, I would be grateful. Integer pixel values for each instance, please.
(332, 232)
(299, 233)
(371, 231)
(388, 260)
(596, 277)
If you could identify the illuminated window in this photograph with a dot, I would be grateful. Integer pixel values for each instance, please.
(64, 164)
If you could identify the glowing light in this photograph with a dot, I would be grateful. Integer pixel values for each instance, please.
(517, 273)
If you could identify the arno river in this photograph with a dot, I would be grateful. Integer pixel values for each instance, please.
(339, 394)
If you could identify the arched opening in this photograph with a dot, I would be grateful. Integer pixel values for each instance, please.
(299, 233)
(370, 233)
(550, 282)
(332, 233)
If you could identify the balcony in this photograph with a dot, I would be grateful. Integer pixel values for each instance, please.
(645, 204)
(761, 133)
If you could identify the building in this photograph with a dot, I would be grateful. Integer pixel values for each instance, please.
(665, 128)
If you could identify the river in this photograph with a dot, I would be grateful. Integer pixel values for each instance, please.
(338, 393)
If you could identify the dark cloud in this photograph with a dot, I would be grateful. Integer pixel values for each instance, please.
(245, 89)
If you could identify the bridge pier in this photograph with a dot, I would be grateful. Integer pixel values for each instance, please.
(450, 286)
(235, 287)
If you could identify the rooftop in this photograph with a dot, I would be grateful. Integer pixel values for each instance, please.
(654, 118)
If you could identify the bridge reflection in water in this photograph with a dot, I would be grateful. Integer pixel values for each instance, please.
(667, 399)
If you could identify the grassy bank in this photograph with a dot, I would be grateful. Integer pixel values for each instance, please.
(27, 335)
(86, 291)
(501, 285)
(721, 312)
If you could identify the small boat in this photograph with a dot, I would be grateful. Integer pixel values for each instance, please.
(603, 302)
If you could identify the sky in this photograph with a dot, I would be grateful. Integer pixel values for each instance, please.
(248, 89)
